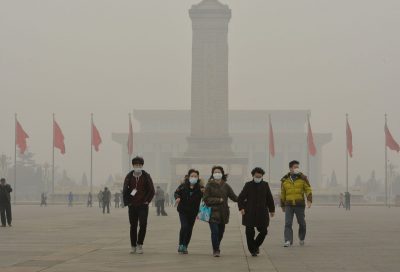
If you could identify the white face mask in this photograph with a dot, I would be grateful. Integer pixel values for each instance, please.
(257, 180)
(217, 176)
(137, 170)
(193, 180)
(296, 171)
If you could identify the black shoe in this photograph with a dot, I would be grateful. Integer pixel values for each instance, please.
(254, 254)
(257, 250)
(3, 226)
(9, 225)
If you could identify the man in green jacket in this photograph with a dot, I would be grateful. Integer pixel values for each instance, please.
(294, 186)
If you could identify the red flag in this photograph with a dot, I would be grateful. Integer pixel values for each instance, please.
(58, 137)
(349, 136)
(390, 141)
(20, 138)
(271, 139)
(96, 139)
(312, 150)
(130, 138)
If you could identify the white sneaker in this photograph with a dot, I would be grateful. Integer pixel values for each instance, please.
(133, 250)
(301, 242)
(286, 244)
(139, 249)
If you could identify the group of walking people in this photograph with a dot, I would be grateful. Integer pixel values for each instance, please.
(255, 203)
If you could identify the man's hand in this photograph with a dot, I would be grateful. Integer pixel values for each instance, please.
(272, 214)
(308, 204)
(177, 200)
(221, 200)
(283, 209)
(242, 211)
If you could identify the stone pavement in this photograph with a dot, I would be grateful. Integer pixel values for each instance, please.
(57, 238)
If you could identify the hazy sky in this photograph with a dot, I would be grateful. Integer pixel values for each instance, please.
(74, 57)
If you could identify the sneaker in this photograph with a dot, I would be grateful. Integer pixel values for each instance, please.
(180, 248)
(3, 226)
(217, 253)
(139, 249)
(301, 242)
(184, 250)
(133, 250)
(9, 225)
(287, 244)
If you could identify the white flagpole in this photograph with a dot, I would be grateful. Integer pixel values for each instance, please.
(308, 148)
(269, 148)
(52, 168)
(91, 153)
(347, 155)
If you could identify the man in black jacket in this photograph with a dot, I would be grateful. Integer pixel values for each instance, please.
(256, 204)
(5, 203)
(137, 193)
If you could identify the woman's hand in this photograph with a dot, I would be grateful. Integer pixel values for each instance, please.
(177, 200)
(242, 211)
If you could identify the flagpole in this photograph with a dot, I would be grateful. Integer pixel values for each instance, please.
(91, 153)
(15, 159)
(386, 176)
(347, 155)
(269, 148)
(308, 148)
(129, 154)
(52, 170)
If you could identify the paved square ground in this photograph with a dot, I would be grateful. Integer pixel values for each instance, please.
(58, 238)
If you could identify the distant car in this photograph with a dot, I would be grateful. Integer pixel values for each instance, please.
(397, 201)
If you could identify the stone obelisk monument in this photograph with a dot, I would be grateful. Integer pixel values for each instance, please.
(209, 142)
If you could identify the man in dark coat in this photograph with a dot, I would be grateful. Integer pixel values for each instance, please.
(5, 203)
(137, 193)
(256, 204)
(106, 200)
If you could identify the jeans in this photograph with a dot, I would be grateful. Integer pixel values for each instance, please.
(217, 233)
(138, 215)
(254, 244)
(5, 212)
(187, 224)
(299, 211)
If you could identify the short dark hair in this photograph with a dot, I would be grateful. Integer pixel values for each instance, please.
(137, 160)
(293, 163)
(258, 170)
(2, 179)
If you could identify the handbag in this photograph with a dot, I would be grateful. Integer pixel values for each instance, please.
(204, 212)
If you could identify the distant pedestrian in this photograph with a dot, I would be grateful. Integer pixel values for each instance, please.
(117, 200)
(106, 200)
(160, 201)
(89, 200)
(70, 199)
(100, 198)
(5, 203)
(43, 200)
(341, 200)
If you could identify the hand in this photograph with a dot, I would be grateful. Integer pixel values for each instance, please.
(146, 203)
(308, 204)
(272, 214)
(283, 209)
(242, 211)
(221, 200)
(202, 189)
(177, 200)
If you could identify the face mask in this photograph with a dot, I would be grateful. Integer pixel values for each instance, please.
(193, 180)
(217, 176)
(257, 180)
(137, 170)
(296, 171)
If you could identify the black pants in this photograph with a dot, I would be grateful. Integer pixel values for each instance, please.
(254, 244)
(5, 212)
(187, 224)
(138, 215)
(106, 204)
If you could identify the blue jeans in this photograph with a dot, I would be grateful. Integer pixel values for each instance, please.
(290, 211)
(217, 233)
(187, 223)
